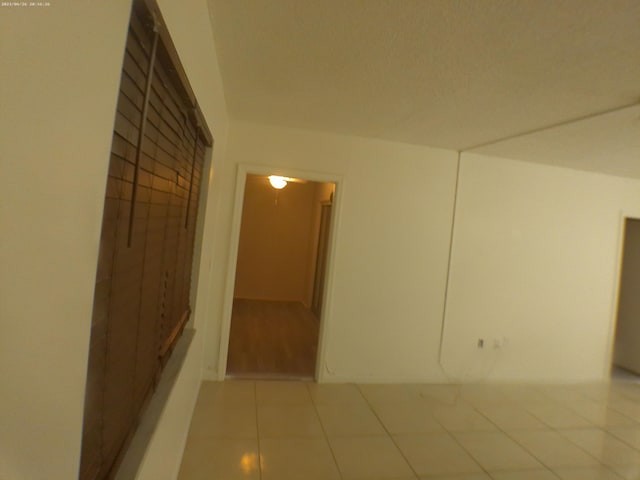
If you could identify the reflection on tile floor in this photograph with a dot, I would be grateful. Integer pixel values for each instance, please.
(305, 431)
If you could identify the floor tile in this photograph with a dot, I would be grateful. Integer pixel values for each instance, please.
(219, 420)
(603, 446)
(627, 472)
(563, 394)
(369, 458)
(557, 416)
(297, 458)
(628, 407)
(375, 393)
(443, 395)
(349, 420)
(586, 473)
(512, 418)
(600, 414)
(282, 393)
(522, 394)
(227, 393)
(552, 449)
(462, 419)
(206, 458)
(288, 421)
(629, 435)
(482, 395)
(413, 417)
(335, 394)
(496, 451)
(436, 454)
(439, 432)
(524, 475)
(470, 476)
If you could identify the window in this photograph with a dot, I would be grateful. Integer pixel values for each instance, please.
(143, 279)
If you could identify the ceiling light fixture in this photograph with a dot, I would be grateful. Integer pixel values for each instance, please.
(277, 182)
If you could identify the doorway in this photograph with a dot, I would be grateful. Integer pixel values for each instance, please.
(626, 353)
(279, 278)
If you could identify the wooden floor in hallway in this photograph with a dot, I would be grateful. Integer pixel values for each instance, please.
(272, 340)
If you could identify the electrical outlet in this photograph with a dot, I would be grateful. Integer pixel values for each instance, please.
(481, 343)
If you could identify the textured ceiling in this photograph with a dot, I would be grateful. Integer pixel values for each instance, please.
(446, 73)
(608, 143)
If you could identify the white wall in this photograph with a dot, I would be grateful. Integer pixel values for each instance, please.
(60, 71)
(535, 258)
(57, 97)
(627, 353)
(393, 219)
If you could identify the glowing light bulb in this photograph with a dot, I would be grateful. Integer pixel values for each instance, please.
(277, 182)
(249, 463)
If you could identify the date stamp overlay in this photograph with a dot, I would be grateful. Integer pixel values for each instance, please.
(7, 4)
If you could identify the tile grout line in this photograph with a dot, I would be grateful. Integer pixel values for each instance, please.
(324, 432)
(596, 427)
(453, 437)
(474, 408)
(477, 408)
(556, 430)
(255, 399)
(549, 428)
(387, 431)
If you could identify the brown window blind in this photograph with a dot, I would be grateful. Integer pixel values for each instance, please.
(143, 279)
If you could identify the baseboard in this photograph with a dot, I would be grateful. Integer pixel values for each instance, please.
(283, 300)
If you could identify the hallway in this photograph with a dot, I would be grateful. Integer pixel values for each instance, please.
(272, 340)
(299, 430)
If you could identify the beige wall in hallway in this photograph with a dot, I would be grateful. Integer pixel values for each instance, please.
(276, 238)
(627, 351)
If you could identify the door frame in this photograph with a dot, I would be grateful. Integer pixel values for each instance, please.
(320, 264)
(263, 170)
(613, 324)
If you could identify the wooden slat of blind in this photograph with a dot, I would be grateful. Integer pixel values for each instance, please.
(178, 75)
(107, 417)
(129, 89)
(121, 393)
(184, 257)
(129, 110)
(168, 114)
(168, 131)
(139, 50)
(134, 71)
(147, 364)
(167, 103)
(92, 432)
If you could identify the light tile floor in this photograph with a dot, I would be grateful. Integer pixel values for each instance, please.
(304, 431)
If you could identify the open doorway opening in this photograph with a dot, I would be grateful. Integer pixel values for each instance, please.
(280, 277)
(626, 353)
